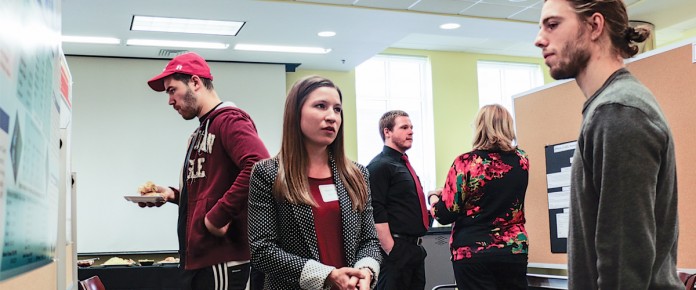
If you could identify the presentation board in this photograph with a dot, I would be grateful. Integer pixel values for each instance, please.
(552, 115)
(29, 136)
(125, 134)
(558, 161)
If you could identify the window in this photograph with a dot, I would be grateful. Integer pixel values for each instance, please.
(499, 81)
(386, 83)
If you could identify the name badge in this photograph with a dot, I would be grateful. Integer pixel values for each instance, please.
(328, 192)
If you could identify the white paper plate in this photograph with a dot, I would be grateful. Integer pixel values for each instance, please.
(139, 198)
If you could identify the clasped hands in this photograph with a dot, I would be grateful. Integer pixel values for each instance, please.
(347, 278)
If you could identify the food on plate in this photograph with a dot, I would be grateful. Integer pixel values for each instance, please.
(148, 189)
(152, 194)
(118, 261)
(85, 263)
(169, 260)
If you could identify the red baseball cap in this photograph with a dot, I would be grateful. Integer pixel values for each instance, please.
(188, 63)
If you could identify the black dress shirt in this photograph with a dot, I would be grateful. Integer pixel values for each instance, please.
(394, 195)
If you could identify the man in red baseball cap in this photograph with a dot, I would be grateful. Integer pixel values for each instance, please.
(214, 186)
(187, 63)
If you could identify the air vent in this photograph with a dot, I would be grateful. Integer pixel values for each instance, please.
(171, 52)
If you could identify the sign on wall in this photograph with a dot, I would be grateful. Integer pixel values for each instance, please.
(29, 134)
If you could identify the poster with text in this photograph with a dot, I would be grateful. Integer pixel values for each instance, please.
(29, 134)
(559, 159)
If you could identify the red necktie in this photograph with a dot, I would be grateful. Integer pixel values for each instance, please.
(419, 189)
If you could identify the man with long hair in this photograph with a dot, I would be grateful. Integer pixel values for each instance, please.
(623, 207)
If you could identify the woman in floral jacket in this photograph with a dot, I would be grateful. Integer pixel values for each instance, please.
(483, 197)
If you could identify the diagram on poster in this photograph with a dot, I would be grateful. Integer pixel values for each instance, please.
(29, 134)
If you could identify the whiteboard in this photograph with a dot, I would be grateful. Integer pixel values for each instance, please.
(125, 134)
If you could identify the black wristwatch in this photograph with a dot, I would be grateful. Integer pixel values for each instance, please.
(431, 195)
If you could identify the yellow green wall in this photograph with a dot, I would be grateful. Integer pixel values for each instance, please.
(455, 99)
(690, 33)
(687, 34)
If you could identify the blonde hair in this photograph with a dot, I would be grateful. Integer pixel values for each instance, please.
(494, 129)
(292, 183)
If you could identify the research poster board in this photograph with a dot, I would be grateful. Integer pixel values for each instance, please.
(559, 158)
(29, 134)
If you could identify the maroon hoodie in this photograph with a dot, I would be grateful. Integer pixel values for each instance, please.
(216, 175)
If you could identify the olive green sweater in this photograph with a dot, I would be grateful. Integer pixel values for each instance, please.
(623, 207)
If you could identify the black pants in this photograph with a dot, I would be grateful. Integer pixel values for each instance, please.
(256, 279)
(403, 268)
(490, 275)
(217, 277)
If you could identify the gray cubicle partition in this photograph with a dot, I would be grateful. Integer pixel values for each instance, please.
(438, 267)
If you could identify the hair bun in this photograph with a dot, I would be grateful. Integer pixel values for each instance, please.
(637, 34)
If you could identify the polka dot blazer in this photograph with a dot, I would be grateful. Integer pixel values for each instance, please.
(283, 240)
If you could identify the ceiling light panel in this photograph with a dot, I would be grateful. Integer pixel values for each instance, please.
(175, 43)
(450, 26)
(327, 33)
(182, 25)
(282, 48)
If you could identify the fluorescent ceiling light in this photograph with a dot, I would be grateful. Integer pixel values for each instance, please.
(90, 39)
(200, 26)
(450, 26)
(327, 34)
(176, 43)
(280, 48)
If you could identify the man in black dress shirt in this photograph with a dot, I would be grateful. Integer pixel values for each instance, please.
(399, 206)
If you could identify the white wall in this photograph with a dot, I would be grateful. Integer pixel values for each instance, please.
(125, 134)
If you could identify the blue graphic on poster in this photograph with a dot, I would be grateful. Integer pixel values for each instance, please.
(29, 134)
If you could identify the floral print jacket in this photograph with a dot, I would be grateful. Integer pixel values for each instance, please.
(483, 197)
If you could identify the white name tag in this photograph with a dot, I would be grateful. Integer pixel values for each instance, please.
(328, 192)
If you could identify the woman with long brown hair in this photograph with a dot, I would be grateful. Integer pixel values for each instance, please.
(484, 197)
(298, 199)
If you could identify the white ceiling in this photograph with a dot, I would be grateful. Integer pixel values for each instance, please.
(364, 27)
